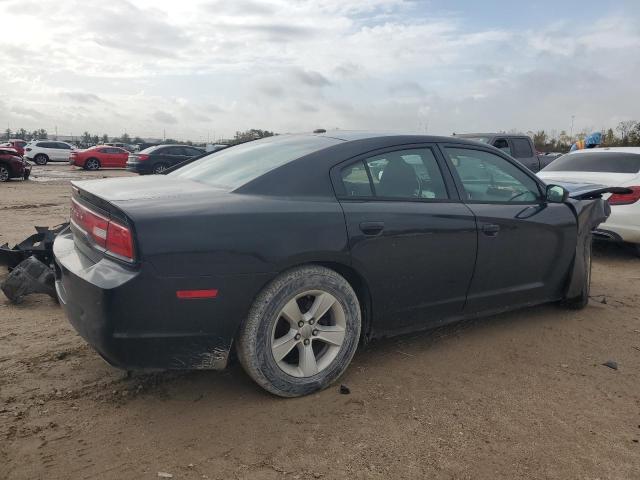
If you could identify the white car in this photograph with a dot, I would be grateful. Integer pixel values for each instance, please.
(612, 167)
(43, 151)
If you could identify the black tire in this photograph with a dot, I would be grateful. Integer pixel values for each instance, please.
(636, 248)
(5, 173)
(41, 159)
(254, 343)
(158, 168)
(92, 164)
(582, 300)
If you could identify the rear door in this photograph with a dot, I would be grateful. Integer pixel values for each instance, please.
(525, 245)
(119, 157)
(522, 151)
(409, 233)
(173, 156)
(63, 151)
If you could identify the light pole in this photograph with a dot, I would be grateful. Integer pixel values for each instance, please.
(571, 134)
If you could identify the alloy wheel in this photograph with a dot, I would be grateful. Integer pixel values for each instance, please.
(159, 169)
(92, 164)
(4, 174)
(308, 333)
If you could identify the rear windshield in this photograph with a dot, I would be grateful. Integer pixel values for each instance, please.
(236, 166)
(608, 162)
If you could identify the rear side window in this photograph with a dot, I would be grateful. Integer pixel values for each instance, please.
(607, 162)
(521, 148)
(356, 181)
(402, 174)
(192, 151)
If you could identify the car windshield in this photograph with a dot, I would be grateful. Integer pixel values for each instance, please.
(236, 166)
(608, 162)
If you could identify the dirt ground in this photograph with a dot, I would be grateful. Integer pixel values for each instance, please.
(519, 395)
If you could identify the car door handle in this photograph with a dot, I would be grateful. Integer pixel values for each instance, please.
(372, 228)
(490, 229)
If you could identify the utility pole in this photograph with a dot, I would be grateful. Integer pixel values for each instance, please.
(164, 134)
(56, 129)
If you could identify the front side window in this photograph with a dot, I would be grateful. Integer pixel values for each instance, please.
(489, 178)
(502, 144)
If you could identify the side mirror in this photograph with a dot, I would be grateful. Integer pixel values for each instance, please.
(556, 194)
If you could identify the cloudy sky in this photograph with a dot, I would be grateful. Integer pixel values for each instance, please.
(204, 69)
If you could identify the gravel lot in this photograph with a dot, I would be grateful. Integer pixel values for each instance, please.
(519, 395)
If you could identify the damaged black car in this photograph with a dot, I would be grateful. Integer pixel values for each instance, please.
(292, 250)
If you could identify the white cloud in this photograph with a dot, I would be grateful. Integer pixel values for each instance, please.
(193, 68)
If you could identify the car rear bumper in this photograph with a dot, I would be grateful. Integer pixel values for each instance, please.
(134, 319)
(139, 167)
(624, 222)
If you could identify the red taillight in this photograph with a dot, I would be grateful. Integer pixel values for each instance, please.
(142, 157)
(625, 198)
(119, 240)
(106, 233)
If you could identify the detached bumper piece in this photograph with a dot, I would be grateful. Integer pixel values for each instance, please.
(39, 245)
(30, 263)
(30, 276)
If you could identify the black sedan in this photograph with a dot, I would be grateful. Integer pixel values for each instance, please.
(294, 249)
(159, 158)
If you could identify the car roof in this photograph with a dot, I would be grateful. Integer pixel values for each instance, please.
(463, 135)
(353, 135)
(635, 150)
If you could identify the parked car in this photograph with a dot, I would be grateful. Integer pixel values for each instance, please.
(612, 166)
(43, 151)
(125, 146)
(161, 157)
(12, 165)
(519, 147)
(17, 144)
(290, 251)
(100, 156)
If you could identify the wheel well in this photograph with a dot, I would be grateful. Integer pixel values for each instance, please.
(41, 155)
(93, 158)
(359, 285)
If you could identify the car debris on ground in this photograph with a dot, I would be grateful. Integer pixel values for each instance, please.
(31, 264)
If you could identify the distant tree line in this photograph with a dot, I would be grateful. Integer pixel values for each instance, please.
(88, 139)
(626, 134)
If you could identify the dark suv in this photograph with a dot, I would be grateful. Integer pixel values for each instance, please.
(161, 157)
(12, 165)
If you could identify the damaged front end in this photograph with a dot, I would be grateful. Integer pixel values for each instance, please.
(30, 264)
(590, 210)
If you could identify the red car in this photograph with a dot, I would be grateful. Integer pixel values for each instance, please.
(17, 144)
(100, 156)
(12, 165)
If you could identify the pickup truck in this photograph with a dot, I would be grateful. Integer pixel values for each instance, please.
(519, 147)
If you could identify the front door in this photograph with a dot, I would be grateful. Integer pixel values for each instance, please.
(525, 245)
(409, 234)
